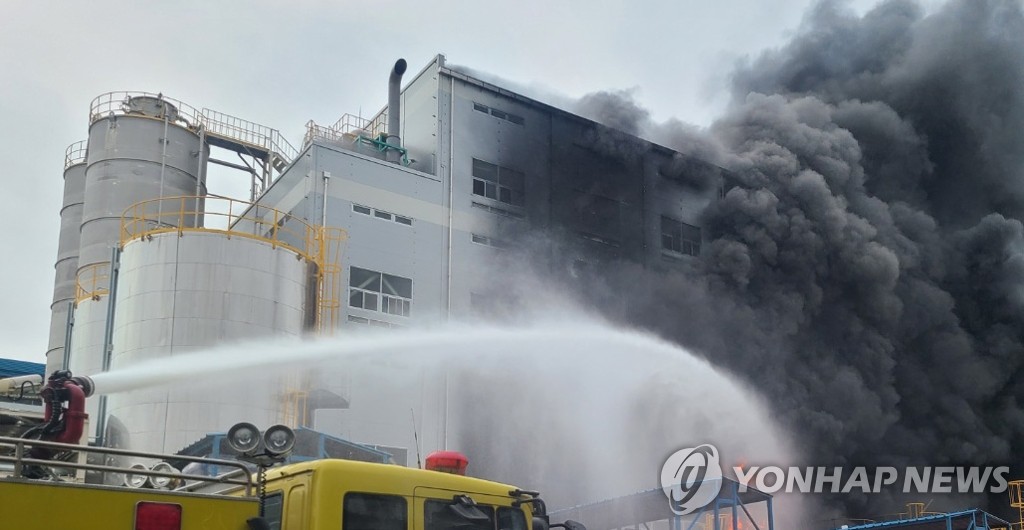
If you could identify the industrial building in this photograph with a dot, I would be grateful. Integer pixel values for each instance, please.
(392, 221)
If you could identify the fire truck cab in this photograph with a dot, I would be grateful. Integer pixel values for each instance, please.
(333, 494)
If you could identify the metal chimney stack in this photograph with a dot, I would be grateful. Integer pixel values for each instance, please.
(395, 111)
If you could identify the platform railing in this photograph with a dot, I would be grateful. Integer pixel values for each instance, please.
(378, 124)
(248, 132)
(75, 153)
(347, 127)
(117, 104)
(315, 131)
(212, 213)
(92, 282)
(352, 124)
(22, 458)
(231, 127)
(234, 218)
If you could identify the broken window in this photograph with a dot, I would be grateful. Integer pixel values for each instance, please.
(680, 237)
(498, 183)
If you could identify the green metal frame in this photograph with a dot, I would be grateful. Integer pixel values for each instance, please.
(382, 146)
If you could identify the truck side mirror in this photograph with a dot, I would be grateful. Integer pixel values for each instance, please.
(540, 523)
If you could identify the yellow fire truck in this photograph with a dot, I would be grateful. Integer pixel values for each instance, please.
(43, 489)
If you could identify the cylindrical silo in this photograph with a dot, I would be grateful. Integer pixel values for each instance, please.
(87, 348)
(67, 252)
(179, 293)
(141, 147)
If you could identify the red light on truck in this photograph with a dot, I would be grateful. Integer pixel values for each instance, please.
(452, 462)
(157, 516)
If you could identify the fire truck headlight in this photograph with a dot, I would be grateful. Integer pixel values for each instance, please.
(244, 437)
(161, 483)
(135, 481)
(279, 440)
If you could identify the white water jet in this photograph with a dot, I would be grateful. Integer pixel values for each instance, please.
(574, 407)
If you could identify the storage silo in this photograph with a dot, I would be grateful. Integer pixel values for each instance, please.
(182, 290)
(141, 146)
(66, 266)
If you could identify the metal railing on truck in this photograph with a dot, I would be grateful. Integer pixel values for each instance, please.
(21, 460)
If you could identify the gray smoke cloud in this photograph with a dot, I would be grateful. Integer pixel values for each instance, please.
(875, 220)
(864, 267)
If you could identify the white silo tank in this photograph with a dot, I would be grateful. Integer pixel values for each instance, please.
(179, 293)
(66, 266)
(141, 147)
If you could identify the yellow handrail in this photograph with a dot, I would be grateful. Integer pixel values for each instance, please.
(92, 282)
(1016, 491)
(193, 213)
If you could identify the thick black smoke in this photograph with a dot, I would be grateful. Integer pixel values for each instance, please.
(865, 265)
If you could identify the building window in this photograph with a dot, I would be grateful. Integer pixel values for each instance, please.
(498, 183)
(507, 116)
(498, 211)
(680, 237)
(377, 291)
(489, 241)
(371, 322)
(380, 512)
(596, 217)
(381, 214)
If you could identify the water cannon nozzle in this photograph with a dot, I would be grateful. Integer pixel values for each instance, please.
(86, 383)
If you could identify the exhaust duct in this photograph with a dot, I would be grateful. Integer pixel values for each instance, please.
(394, 110)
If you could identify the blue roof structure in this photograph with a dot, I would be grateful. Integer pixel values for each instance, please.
(651, 506)
(13, 368)
(973, 519)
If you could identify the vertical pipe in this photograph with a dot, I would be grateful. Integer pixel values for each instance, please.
(735, 502)
(163, 165)
(322, 252)
(394, 110)
(323, 221)
(108, 337)
(67, 336)
(451, 193)
(200, 174)
(19, 454)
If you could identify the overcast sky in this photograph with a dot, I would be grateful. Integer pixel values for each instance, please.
(283, 63)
